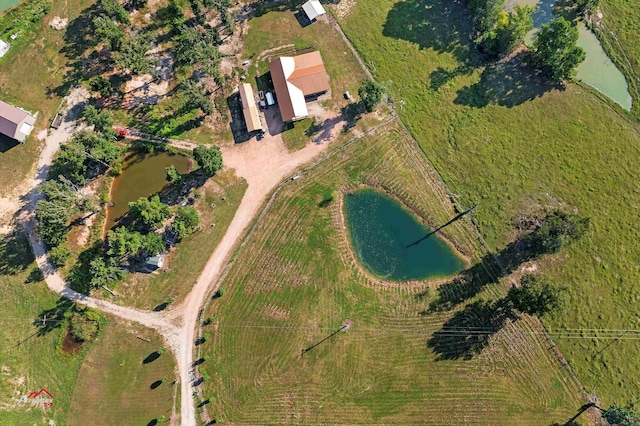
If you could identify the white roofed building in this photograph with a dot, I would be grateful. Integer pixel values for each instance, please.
(313, 9)
(15, 122)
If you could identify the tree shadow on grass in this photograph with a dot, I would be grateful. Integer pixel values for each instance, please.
(441, 25)
(506, 84)
(15, 253)
(468, 332)
(151, 357)
(155, 384)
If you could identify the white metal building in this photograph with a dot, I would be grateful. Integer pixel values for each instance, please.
(313, 9)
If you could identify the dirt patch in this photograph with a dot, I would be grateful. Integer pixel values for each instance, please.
(70, 346)
(272, 311)
(343, 8)
(58, 23)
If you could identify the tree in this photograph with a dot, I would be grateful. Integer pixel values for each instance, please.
(98, 147)
(108, 31)
(510, 31)
(152, 243)
(122, 242)
(103, 272)
(558, 230)
(485, 13)
(209, 159)
(370, 93)
(622, 416)
(194, 98)
(186, 221)
(84, 324)
(115, 11)
(133, 55)
(587, 6)
(59, 255)
(555, 50)
(102, 121)
(151, 212)
(71, 163)
(536, 295)
(173, 175)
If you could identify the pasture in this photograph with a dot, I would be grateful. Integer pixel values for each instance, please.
(295, 282)
(505, 139)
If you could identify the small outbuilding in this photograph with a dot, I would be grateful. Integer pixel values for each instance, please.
(313, 9)
(15, 122)
(249, 108)
(154, 262)
(4, 48)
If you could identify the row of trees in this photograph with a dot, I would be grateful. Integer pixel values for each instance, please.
(554, 50)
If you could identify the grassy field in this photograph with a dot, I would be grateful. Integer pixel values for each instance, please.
(515, 145)
(29, 75)
(621, 33)
(295, 282)
(115, 386)
(280, 32)
(29, 358)
(187, 260)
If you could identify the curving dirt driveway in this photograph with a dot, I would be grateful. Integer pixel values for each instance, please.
(263, 164)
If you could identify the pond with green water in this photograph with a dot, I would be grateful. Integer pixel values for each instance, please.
(597, 70)
(7, 4)
(142, 175)
(380, 229)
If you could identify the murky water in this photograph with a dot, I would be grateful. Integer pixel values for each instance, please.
(380, 230)
(597, 70)
(142, 175)
(6, 4)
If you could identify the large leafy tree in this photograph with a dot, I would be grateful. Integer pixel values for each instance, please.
(555, 49)
(510, 31)
(108, 31)
(115, 10)
(71, 163)
(186, 221)
(101, 120)
(194, 98)
(485, 13)
(536, 295)
(104, 272)
(150, 212)
(622, 416)
(370, 93)
(209, 159)
(558, 230)
(133, 55)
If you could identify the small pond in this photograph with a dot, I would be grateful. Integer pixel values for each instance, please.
(7, 4)
(597, 70)
(380, 230)
(142, 175)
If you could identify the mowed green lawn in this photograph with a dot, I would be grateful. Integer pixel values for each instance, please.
(502, 138)
(294, 283)
(116, 386)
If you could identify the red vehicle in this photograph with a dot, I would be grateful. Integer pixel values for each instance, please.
(121, 133)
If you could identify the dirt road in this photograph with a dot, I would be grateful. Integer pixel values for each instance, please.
(263, 164)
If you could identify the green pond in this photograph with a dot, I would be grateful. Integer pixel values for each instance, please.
(380, 230)
(597, 70)
(142, 175)
(6, 4)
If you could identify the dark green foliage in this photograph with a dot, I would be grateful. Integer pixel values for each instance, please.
(84, 323)
(555, 50)
(71, 163)
(152, 243)
(536, 295)
(621, 416)
(101, 85)
(150, 212)
(102, 121)
(485, 13)
(59, 255)
(103, 272)
(510, 31)
(186, 221)
(23, 17)
(558, 230)
(198, 46)
(106, 30)
(173, 175)
(194, 98)
(115, 11)
(209, 159)
(133, 55)
(53, 213)
(587, 6)
(370, 93)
